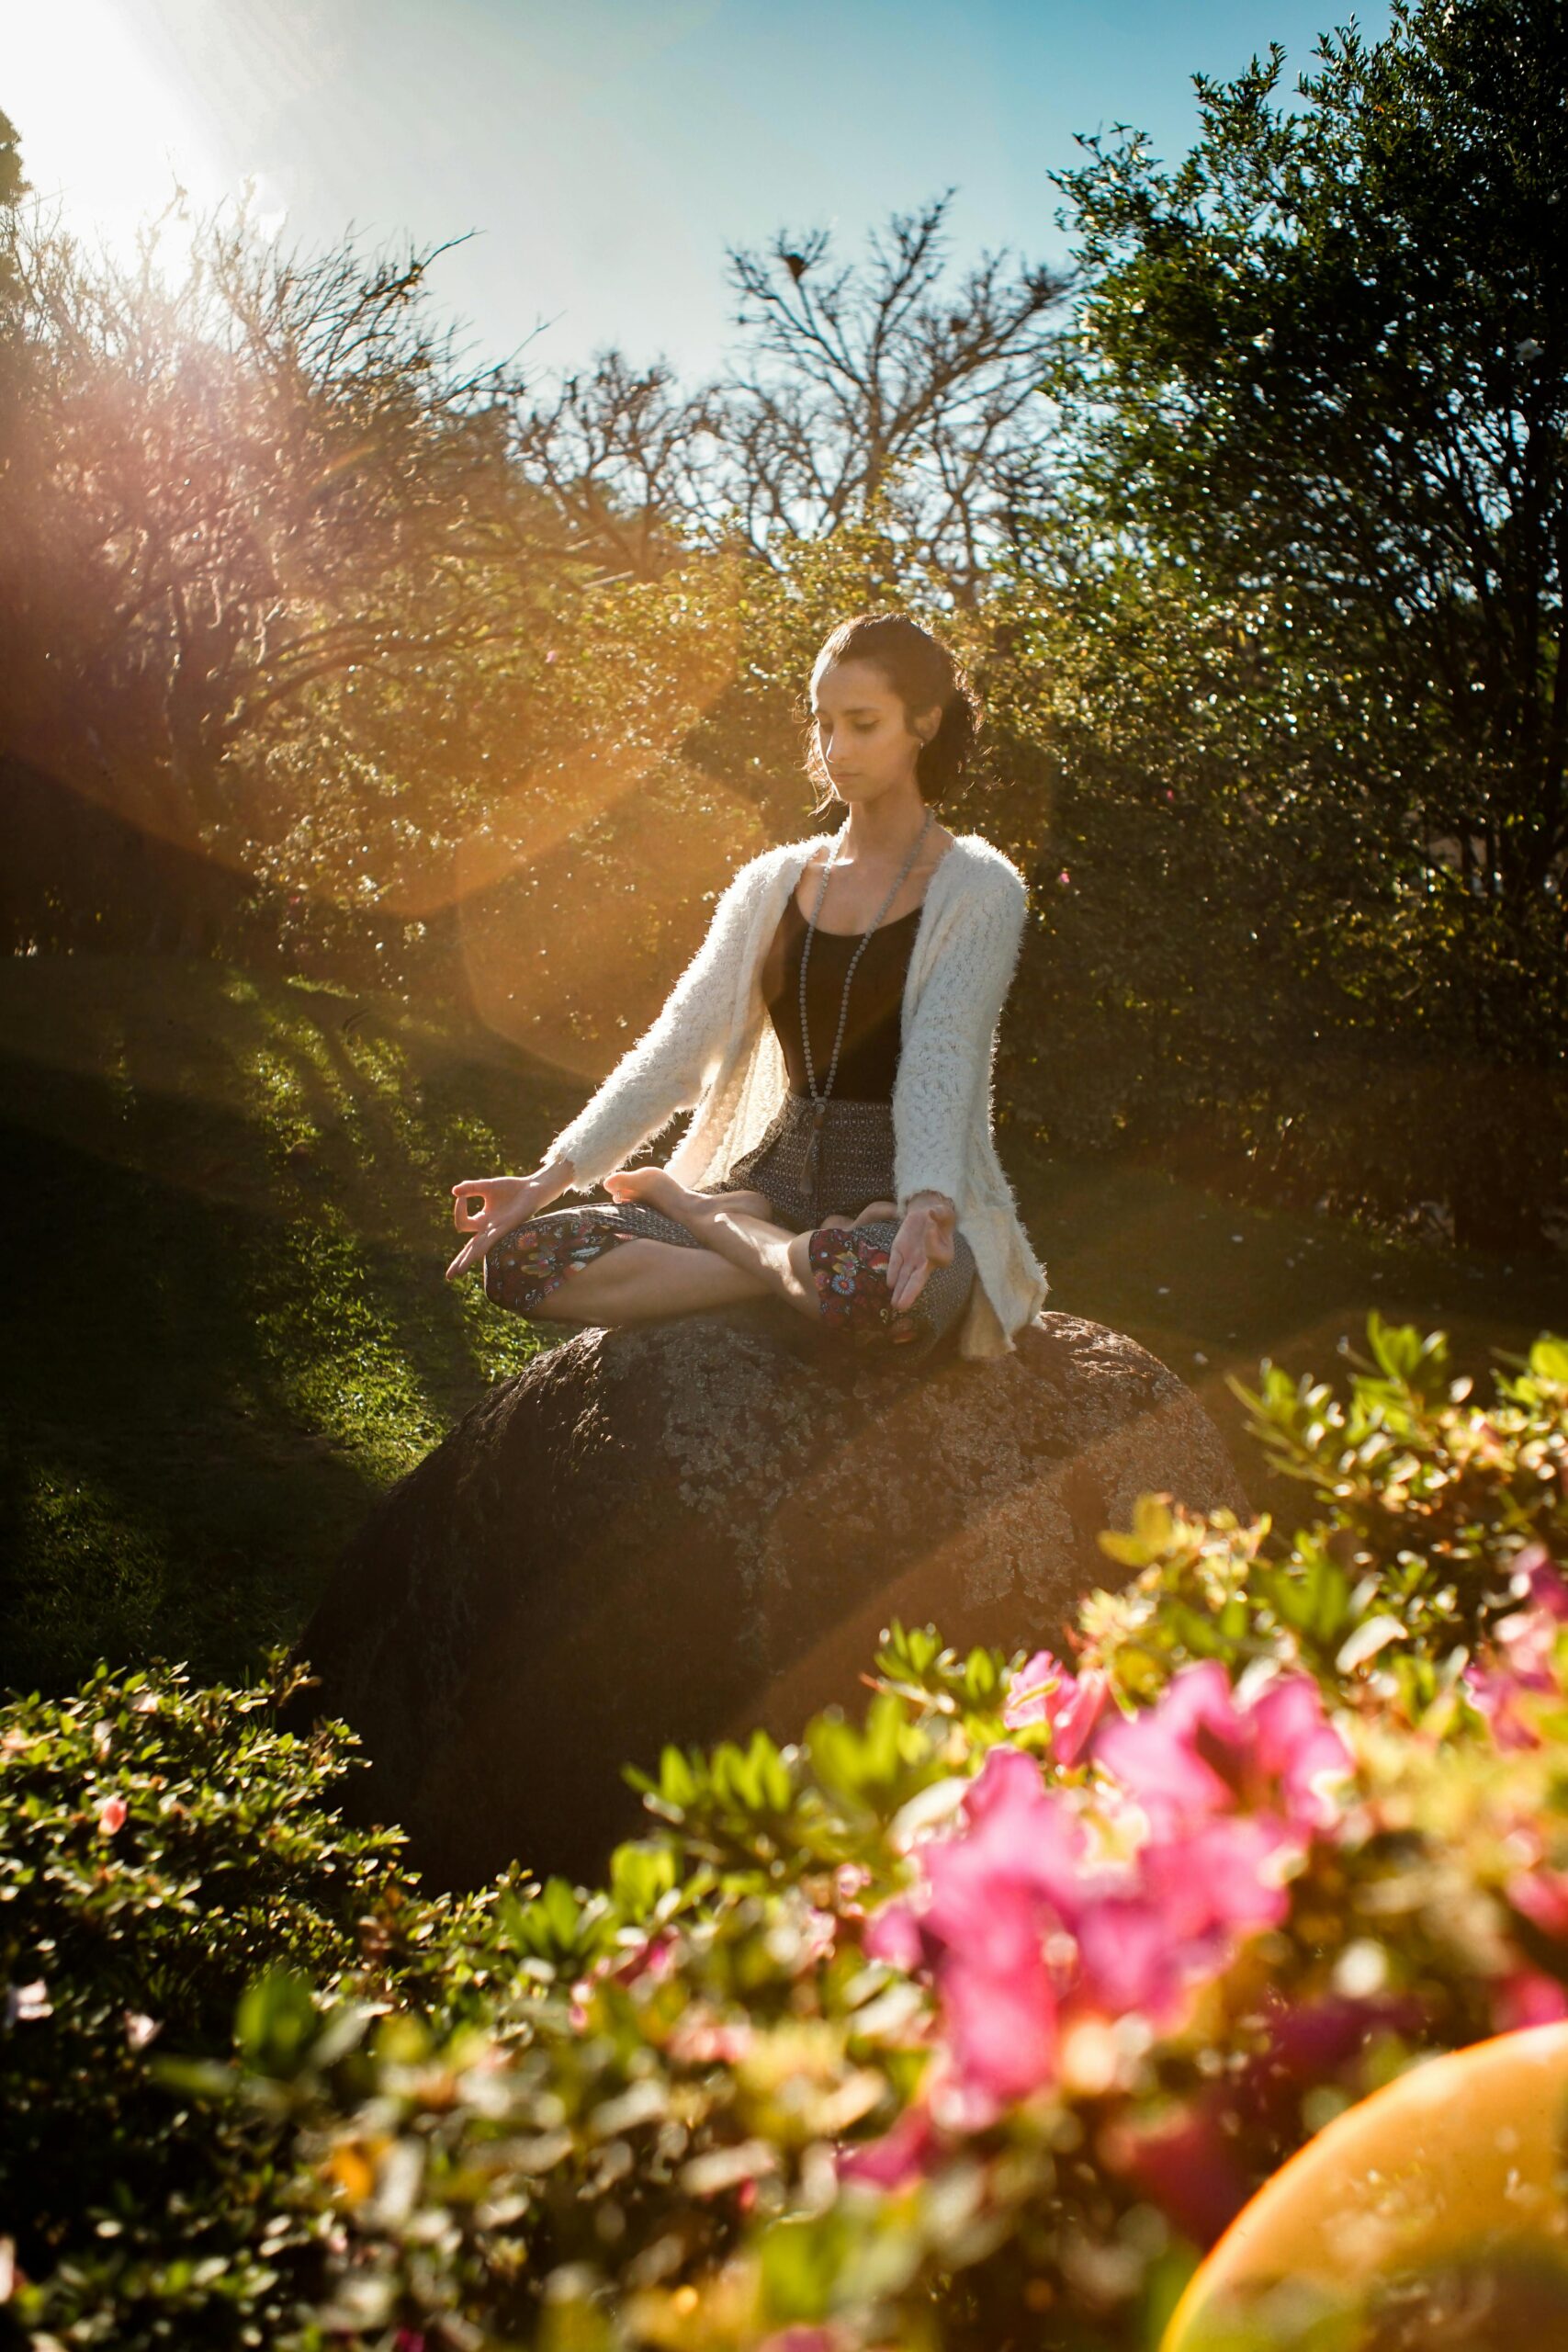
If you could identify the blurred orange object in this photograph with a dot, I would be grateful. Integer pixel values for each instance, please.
(1455, 2172)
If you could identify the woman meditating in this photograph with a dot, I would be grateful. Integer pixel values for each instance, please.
(834, 1035)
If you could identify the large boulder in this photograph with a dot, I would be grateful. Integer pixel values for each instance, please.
(679, 1531)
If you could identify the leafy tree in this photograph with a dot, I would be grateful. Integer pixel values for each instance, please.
(233, 486)
(1332, 347)
(13, 186)
(1318, 397)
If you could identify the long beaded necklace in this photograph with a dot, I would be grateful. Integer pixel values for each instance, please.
(819, 1102)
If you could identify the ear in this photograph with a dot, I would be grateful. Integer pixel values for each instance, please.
(926, 724)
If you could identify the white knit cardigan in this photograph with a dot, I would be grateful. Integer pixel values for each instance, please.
(712, 1047)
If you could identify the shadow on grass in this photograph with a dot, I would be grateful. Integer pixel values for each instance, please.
(225, 1325)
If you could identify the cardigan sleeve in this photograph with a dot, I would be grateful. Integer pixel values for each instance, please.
(665, 1070)
(944, 1064)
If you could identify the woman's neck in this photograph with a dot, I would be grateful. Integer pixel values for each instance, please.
(883, 831)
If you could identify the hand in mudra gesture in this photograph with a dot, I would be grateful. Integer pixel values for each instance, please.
(924, 1239)
(487, 1208)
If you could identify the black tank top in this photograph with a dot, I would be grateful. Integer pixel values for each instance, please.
(868, 1059)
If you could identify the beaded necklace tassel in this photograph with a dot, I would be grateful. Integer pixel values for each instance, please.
(819, 1102)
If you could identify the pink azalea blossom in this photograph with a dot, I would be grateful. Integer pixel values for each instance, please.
(1185, 2162)
(1538, 1581)
(994, 1893)
(1027, 1934)
(1196, 1893)
(893, 1935)
(1528, 1997)
(1541, 1896)
(1497, 1697)
(699, 2039)
(1522, 1658)
(1045, 1692)
(1200, 1751)
(903, 2155)
(112, 1815)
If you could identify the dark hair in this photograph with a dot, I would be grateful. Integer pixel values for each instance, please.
(924, 675)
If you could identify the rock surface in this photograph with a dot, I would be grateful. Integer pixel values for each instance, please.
(675, 1532)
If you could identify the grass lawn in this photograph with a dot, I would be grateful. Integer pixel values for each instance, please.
(226, 1330)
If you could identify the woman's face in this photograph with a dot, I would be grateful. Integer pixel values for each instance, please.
(867, 744)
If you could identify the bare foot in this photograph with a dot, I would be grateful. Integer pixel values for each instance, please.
(740, 1203)
(879, 1212)
(656, 1189)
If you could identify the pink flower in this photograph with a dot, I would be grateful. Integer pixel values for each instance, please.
(1541, 1897)
(1045, 1692)
(1064, 877)
(1185, 2162)
(699, 2039)
(1540, 1582)
(1527, 1997)
(1196, 1894)
(112, 1815)
(995, 1893)
(1197, 1752)
(1496, 1697)
(893, 1935)
(1523, 1658)
(903, 2155)
(1029, 1936)
(1026, 1935)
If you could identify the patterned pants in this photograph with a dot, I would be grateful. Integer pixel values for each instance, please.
(848, 1266)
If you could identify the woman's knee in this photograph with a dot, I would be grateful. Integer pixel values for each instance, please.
(529, 1269)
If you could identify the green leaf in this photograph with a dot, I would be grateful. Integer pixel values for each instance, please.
(276, 2022)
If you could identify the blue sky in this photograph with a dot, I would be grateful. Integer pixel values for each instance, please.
(607, 151)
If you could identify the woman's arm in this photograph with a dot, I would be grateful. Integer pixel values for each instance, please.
(944, 1064)
(664, 1072)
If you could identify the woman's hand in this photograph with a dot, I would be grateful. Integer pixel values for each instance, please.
(487, 1208)
(924, 1239)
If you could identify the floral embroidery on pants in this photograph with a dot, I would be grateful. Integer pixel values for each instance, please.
(850, 1269)
(535, 1258)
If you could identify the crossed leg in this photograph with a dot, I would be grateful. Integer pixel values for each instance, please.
(727, 1225)
(637, 1281)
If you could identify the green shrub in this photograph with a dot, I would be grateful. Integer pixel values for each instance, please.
(1290, 1819)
